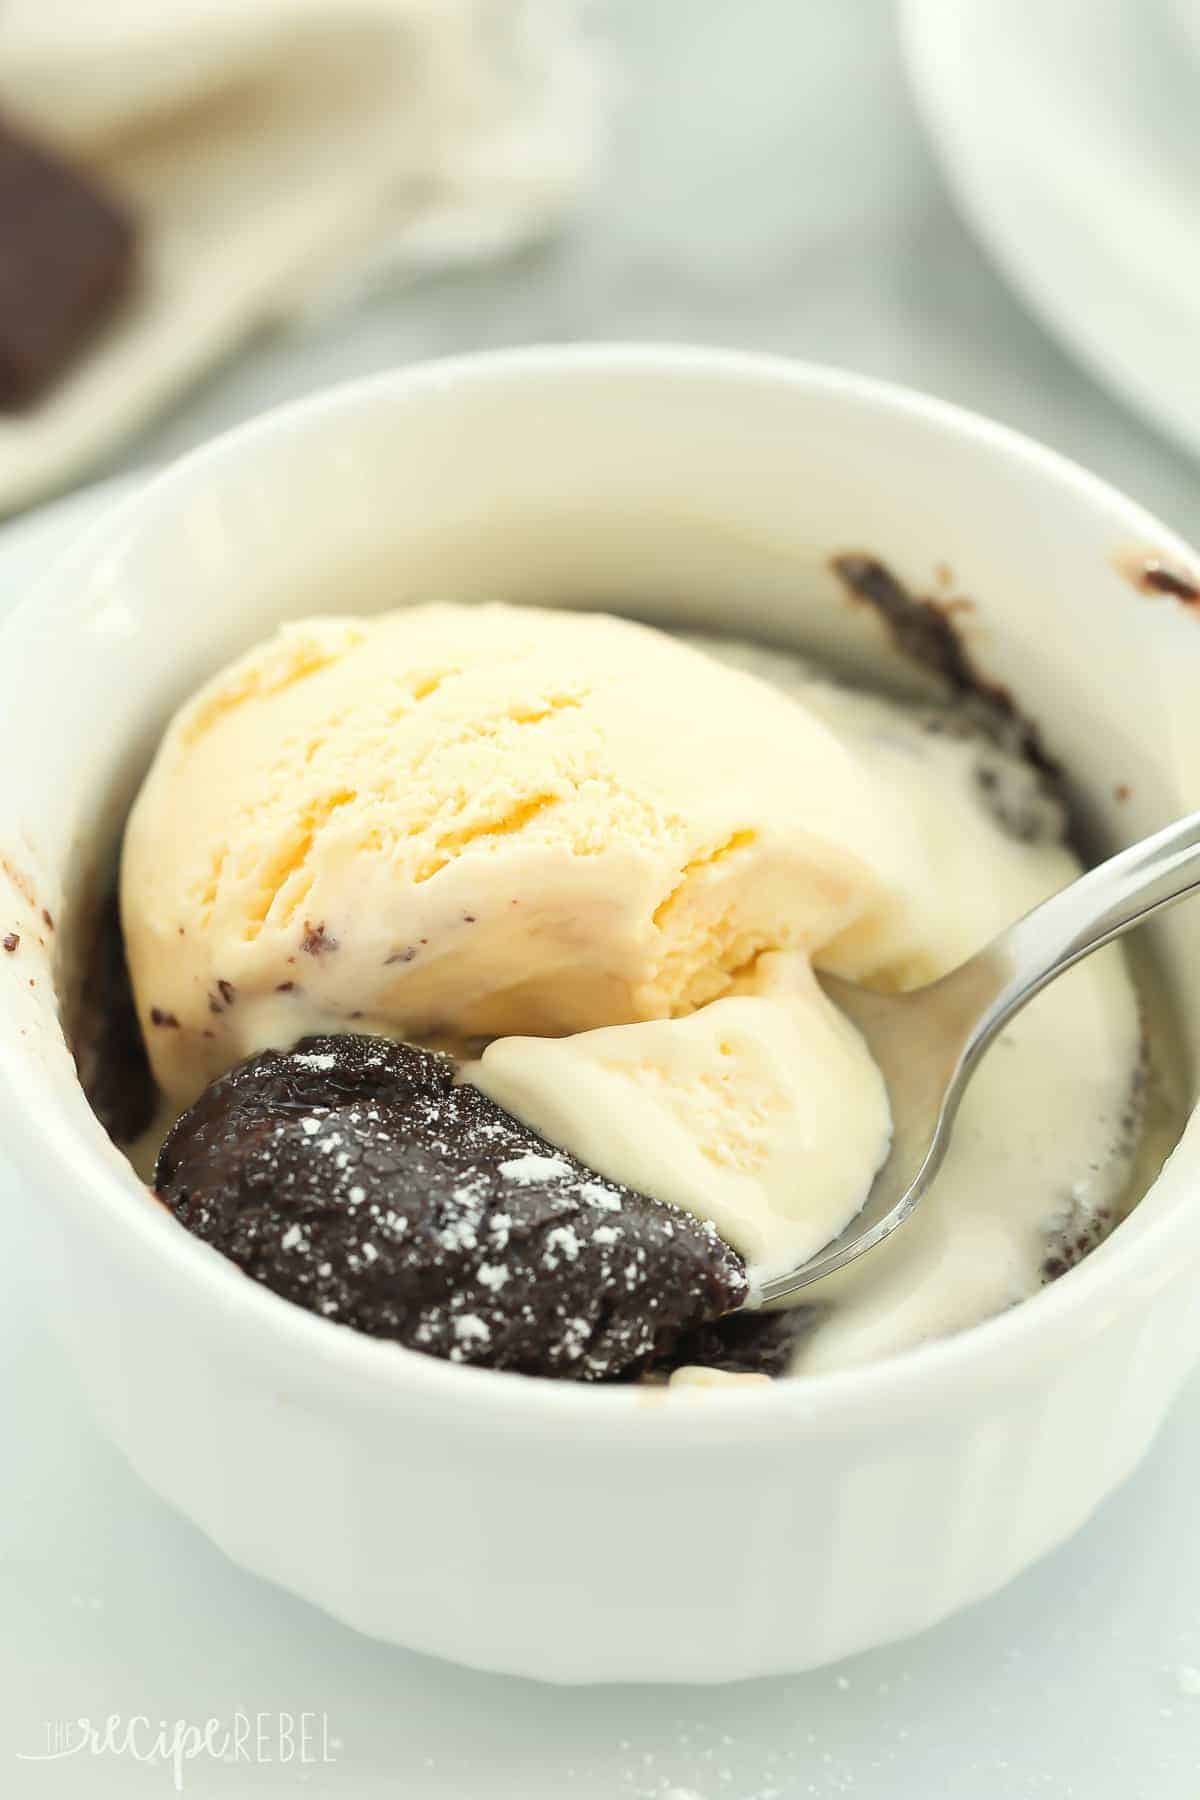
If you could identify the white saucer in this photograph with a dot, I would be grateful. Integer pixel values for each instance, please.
(1068, 131)
(1073, 1682)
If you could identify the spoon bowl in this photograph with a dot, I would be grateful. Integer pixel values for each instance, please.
(928, 1042)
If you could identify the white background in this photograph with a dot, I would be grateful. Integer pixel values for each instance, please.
(769, 187)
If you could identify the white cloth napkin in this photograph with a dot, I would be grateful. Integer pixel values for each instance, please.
(277, 151)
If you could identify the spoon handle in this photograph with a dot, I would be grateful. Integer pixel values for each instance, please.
(1101, 905)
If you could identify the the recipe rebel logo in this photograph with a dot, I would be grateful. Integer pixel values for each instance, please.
(250, 1738)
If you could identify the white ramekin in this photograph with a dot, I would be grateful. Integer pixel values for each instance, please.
(585, 1535)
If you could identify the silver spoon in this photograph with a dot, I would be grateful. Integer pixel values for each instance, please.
(928, 1043)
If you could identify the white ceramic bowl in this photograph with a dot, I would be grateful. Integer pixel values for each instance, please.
(523, 1525)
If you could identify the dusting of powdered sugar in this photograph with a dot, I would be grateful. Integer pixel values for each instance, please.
(388, 1196)
(535, 1168)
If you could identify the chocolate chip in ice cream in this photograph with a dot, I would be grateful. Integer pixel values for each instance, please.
(354, 1177)
(316, 940)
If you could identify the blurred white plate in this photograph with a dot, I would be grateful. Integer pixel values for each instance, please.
(1186, 14)
(1070, 134)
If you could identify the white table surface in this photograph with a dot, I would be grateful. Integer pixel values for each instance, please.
(768, 187)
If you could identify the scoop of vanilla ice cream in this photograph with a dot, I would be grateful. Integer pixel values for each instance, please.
(762, 1112)
(463, 822)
